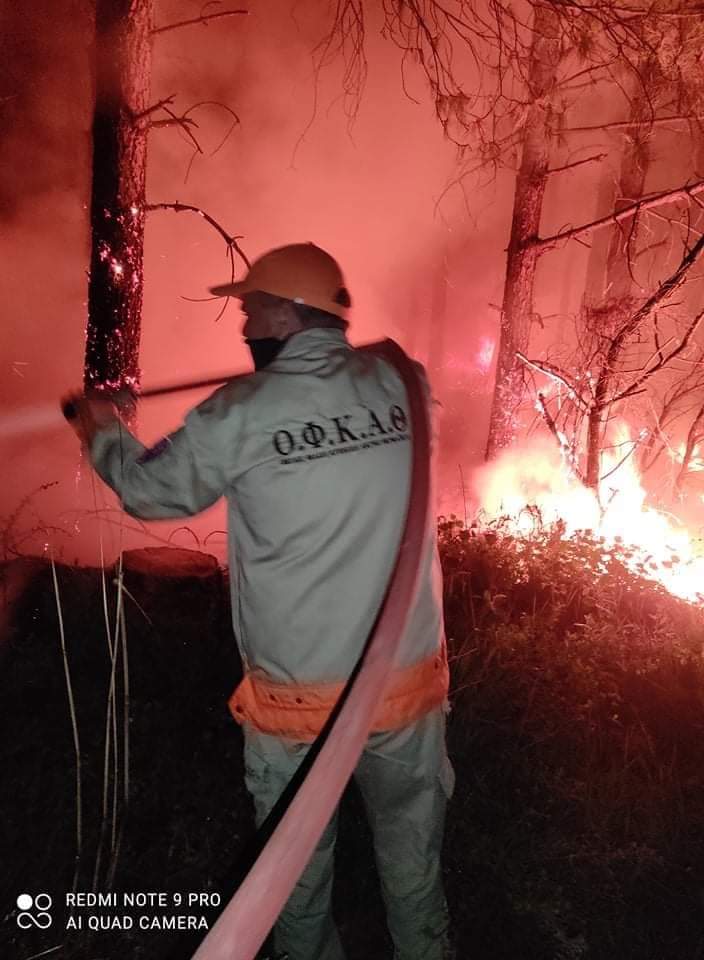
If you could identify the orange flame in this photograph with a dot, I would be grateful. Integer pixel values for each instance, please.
(532, 475)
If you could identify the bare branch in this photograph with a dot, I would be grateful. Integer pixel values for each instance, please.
(666, 288)
(664, 360)
(621, 461)
(631, 124)
(159, 105)
(231, 241)
(183, 121)
(647, 203)
(673, 222)
(658, 352)
(562, 444)
(550, 370)
(204, 19)
(186, 122)
(222, 106)
(578, 163)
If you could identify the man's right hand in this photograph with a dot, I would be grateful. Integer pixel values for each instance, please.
(88, 412)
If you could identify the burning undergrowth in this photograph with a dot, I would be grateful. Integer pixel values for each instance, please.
(538, 484)
(578, 710)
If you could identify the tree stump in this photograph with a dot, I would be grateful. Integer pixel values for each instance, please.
(169, 562)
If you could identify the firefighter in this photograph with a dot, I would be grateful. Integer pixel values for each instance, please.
(312, 453)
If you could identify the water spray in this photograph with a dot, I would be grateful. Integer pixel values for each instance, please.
(27, 420)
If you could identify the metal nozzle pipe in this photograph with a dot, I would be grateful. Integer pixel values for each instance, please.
(69, 409)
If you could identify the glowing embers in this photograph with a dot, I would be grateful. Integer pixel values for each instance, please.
(530, 485)
(116, 267)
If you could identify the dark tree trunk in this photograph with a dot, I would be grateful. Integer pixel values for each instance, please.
(522, 256)
(612, 300)
(695, 434)
(608, 275)
(635, 159)
(120, 125)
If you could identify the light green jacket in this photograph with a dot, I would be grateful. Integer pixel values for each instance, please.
(313, 455)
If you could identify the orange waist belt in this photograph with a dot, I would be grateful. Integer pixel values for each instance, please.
(299, 711)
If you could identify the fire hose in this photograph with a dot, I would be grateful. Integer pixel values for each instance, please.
(249, 916)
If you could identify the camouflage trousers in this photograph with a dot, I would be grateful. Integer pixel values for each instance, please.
(405, 779)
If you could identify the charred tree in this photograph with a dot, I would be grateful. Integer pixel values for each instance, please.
(614, 297)
(508, 112)
(117, 211)
(614, 385)
(622, 240)
(522, 255)
(663, 88)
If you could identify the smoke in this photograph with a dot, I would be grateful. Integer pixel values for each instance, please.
(44, 102)
(292, 169)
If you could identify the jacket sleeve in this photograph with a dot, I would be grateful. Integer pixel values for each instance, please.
(433, 405)
(181, 475)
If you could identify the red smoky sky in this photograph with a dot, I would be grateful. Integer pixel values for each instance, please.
(424, 259)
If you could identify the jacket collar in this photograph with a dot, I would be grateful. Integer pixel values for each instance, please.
(313, 340)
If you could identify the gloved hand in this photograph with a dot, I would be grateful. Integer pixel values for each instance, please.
(91, 411)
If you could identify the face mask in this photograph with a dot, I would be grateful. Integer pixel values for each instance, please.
(264, 350)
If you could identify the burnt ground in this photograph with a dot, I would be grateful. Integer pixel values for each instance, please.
(520, 882)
